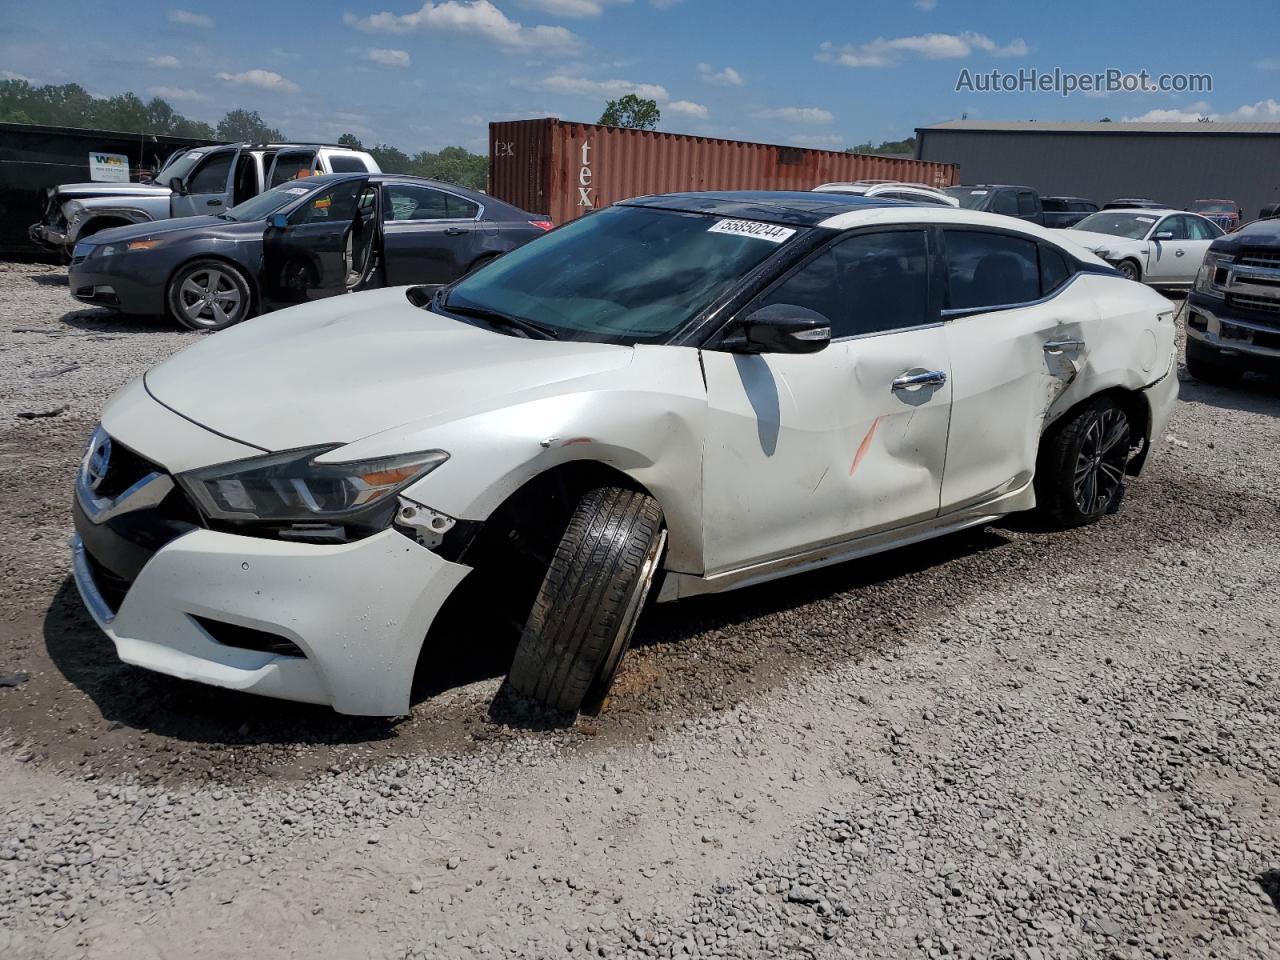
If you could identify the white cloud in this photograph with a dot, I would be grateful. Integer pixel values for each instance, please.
(1263, 111)
(10, 75)
(686, 108)
(165, 60)
(728, 77)
(796, 114)
(926, 5)
(262, 79)
(1270, 63)
(189, 19)
(585, 87)
(931, 46)
(819, 141)
(388, 58)
(571, 8)
(476, 17)
(176, 93)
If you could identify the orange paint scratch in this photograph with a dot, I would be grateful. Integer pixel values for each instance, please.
(864, 446)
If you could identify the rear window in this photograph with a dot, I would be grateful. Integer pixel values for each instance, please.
(346, 163)
(971, 198)
(1053, 206)
(990, 269)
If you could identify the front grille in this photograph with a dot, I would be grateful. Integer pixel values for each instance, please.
(1264, 304)
(1258, 257)
(124, 469)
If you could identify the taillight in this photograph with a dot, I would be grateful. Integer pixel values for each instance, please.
(541, 224)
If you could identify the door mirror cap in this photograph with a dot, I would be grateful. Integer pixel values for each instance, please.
(784, 328)
(1164, 235)
(278, 220)
(177, 186)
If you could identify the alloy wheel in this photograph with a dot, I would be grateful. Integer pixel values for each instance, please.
(1099, 470)
(210, 298)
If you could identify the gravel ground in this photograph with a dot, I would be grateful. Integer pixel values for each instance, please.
(1010, 743)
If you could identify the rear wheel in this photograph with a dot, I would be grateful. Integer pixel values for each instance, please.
(209, 295)
(590, 600)
(1081, 470)
(1209, 366)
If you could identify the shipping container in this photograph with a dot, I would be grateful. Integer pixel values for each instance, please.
(567, 169)
(34, 157)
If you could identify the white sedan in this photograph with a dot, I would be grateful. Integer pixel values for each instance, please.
(1161, 247)
(677, 395)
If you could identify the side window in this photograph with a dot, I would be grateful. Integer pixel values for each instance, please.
(460, 208)
(1199, 229)
(1054, 270)
(1026, 203)
(1174, 225)
(868, 283)
(331, 206)
(405, 202)
(346, 163)
(1004, 203)
(211, 176)
(990, 270)
(1055, 206)
(290, 166)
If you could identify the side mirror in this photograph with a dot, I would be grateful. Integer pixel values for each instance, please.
(278, 221)
(1164, 235)
(176, 185)
(783, 328)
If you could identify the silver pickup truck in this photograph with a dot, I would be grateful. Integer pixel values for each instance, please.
(195, 182)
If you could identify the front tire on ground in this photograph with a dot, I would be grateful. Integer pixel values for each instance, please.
(590, 599)
(1209, 366)
(208, 295)
(1130, 270)
(1081, 470)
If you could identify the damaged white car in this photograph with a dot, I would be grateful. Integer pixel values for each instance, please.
(676, 395)
(1163, 248)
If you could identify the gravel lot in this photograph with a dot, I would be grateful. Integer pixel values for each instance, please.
(1009, 743)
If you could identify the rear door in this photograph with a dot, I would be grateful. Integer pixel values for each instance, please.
(804, 450)
(208, 188)
(1029, 207)
(314, 254)
(1016, 332)
(428, 235)
(292, 165)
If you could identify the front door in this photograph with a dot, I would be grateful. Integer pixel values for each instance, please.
(1178, 246)
(1016, 337)
(208, 188)
(429, 235)
(325, 243)
(813, 449)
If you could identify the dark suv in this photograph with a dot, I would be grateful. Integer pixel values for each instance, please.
(1062, 212)
(1233, 311)
(1012, 201)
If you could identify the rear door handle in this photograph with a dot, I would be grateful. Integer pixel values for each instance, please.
(213, 203)
(1062, 346)
(454, 232)
(930, 378)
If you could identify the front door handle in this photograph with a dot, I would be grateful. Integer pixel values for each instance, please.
(1179, 253)
(213, 203)
(454, 232)
(910, 381)
(1062, 346)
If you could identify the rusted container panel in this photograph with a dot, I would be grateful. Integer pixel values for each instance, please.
(567, 169)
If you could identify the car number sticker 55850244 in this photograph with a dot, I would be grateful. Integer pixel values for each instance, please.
(750, 228)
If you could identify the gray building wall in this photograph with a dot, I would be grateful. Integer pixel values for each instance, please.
(1172, 168)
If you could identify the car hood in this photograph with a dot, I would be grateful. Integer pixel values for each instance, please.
(351, 366)
(1092, 241)
(77, 191)
(154, 228)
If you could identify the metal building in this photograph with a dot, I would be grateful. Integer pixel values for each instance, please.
(1172, 163)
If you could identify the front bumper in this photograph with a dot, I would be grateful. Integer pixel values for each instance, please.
(50, 238)
(1246, 333)
(108, 288)
(357, 612)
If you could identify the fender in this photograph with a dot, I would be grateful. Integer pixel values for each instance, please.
(90, 215)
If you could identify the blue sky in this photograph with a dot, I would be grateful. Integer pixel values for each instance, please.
(824, 73)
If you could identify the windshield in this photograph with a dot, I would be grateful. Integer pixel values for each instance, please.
(181, 166)
(1131, 226)
(623, 275)
(267, 203)
(1213, 206)
(969, 198)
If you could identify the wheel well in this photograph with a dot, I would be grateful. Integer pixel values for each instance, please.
(1136, 265)
(476, 631)
(255, 300)
(98, 224)
(1136, 408)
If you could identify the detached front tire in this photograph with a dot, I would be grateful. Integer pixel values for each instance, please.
(208, 295)
(590, 600)
(1081, 470)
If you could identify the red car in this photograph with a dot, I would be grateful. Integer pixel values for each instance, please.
(1225, 213)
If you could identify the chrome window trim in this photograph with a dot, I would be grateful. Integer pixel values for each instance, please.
(955, 313)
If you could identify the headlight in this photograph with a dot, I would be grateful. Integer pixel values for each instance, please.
(111, 249)
(1104, 253)
(1211, 278)
(293, 488)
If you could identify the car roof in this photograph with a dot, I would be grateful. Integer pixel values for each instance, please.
(796, 208)
(490, 203)
(987, 186)
(1081, 199)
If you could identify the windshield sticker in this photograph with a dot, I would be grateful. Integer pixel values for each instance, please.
(750, 228)
(978, 193)
(1145, 219)
(297, 191)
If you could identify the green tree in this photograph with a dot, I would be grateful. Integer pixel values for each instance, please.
(632, 111)
(453, 165)
(248, 126)
(351, 140)
(391, 159)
